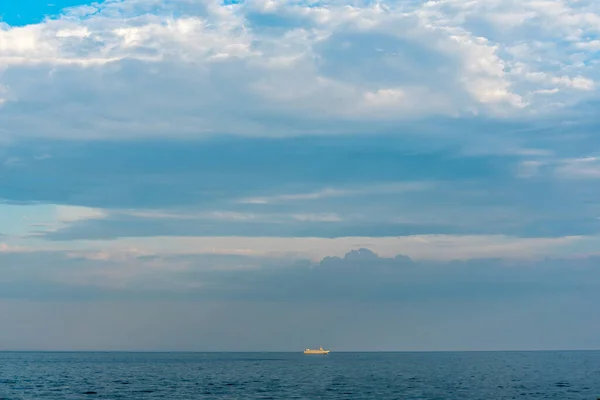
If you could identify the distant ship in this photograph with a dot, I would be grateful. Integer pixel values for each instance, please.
(320, 351)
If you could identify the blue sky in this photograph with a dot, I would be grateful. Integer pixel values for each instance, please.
(208, 160)
(25, 12)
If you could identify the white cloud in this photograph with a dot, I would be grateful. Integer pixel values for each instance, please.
(6, 248)
(397, 187)
(577, 82)
(579, 168)
(81, 32)
(327, 192)
(138, 67)
(431, 247)
(22, 220)
(317, 217)
(121, 255)
(528, 169)
(13, 162)
(592, 45)
(565, 169)
(68, 214)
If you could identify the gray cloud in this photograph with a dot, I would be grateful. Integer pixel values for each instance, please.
(370, 185)
(359, 276)
(357, 302)
(286, 226)
(130, 69)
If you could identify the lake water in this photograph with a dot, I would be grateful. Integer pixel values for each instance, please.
(493, 375)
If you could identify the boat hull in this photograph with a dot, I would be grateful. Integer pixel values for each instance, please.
(316, 351)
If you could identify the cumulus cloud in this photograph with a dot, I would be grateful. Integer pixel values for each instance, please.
(358, 275)
(134, 68)
(124, 69)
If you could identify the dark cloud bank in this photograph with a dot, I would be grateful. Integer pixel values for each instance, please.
(359, 276)
(358, 302)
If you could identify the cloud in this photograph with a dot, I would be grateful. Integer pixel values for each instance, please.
(195, 161)
(364, 185)
(580, 168)
(158, 174)
(328, 225)
(359, 275)
(330, 192)
(427, 247)
(249, 302)
(34, 218)
(564, 169)
(5, 248)
(123, 69)
(73, 214)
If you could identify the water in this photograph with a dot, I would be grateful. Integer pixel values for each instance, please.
(448, 376)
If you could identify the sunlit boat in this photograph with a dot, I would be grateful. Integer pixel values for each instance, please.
(319, 351)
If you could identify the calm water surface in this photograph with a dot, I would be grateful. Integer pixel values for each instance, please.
(510, 375)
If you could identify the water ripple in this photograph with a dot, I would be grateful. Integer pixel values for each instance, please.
(412, 376)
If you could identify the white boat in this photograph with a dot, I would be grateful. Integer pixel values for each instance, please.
(319, 351)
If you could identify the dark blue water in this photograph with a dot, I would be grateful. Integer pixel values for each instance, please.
(510, 375)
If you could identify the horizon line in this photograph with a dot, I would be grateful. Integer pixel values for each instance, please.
(296, 351)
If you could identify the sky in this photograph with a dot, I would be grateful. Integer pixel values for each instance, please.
(274, 175)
